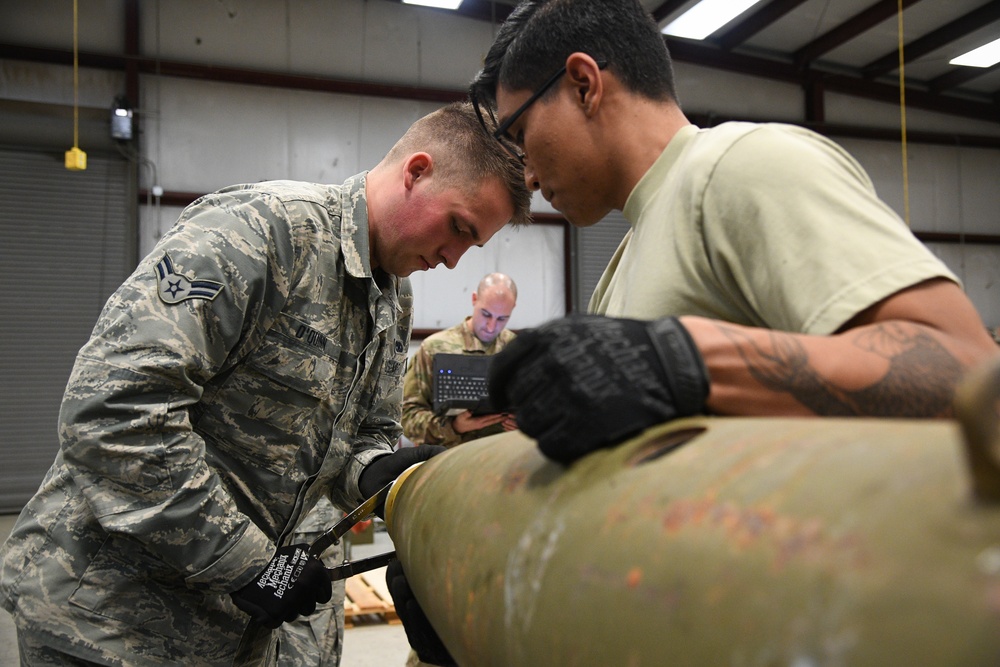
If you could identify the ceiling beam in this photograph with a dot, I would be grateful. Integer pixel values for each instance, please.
(815, 103)
(932, 41)
(667, 8)
(233, 74)
(849, 29)
(710, 56)
(957, 77)
(755, 22)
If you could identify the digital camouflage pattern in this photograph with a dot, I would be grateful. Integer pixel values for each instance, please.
(196, 429)
(316, 640)
(420, 424)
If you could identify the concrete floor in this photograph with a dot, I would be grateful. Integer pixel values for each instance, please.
(379, 644)
(372, 645)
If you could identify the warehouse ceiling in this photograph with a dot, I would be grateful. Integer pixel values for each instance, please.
(846, 46)
(824, 46)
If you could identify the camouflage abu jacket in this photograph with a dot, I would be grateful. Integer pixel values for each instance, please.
(252, 363)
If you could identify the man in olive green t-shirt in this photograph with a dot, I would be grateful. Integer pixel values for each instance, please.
(761, 274)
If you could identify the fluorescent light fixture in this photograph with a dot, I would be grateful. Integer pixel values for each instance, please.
(439, 4)
(706, 17)
(987, 55)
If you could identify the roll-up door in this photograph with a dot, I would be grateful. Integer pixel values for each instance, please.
(65, 246)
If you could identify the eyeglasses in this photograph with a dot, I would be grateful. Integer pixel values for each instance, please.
(500, 134)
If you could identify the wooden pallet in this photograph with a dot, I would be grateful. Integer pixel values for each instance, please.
(368, 600)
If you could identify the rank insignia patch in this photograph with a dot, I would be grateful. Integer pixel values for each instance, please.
(174, 288)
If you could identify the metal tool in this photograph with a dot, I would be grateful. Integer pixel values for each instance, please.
(331, 537)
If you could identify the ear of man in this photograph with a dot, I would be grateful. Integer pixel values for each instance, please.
(417, 166)
(584, 75)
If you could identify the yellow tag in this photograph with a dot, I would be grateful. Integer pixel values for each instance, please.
(76, 160)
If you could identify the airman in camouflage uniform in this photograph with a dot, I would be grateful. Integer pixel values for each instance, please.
(251, 365)
(483, 332)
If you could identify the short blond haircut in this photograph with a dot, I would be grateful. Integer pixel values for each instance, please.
(465, 155)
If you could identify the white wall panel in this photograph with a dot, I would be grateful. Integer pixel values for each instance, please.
(977, 179)
(376, 41)
(53, 84)
(706, 90)
(852, 110)
(212, 135)
(951, 189)
(451, 48)
(329, 38)
(532, 256)
(978, 268)
(383, 122)
(250, 34)
(392, 50)
(49, 24)
(204, 135)
(324, 136)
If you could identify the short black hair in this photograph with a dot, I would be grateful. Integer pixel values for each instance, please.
(539, 35)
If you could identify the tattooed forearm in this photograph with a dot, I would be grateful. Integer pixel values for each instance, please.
(783, 366)
(920, 380)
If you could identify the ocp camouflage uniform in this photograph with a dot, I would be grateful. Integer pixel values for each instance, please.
(251, 364)
(420, 424)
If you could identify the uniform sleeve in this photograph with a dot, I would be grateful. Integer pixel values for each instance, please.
(207, 293)
(420, 424)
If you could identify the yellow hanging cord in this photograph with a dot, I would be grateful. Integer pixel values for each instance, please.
(76, 160)
(76, 81)
(902, 113)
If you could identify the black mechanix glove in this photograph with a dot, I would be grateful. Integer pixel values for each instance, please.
(386, 468)
(584, 382)
(419, 632)
(291, 585)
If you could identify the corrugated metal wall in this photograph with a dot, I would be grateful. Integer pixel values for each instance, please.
(65, 246)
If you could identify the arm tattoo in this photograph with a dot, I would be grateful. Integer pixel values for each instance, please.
(920, 381)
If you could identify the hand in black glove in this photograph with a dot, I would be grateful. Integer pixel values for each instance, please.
(291, 585)
(386, 468)
(584, 382)
(419, 632)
